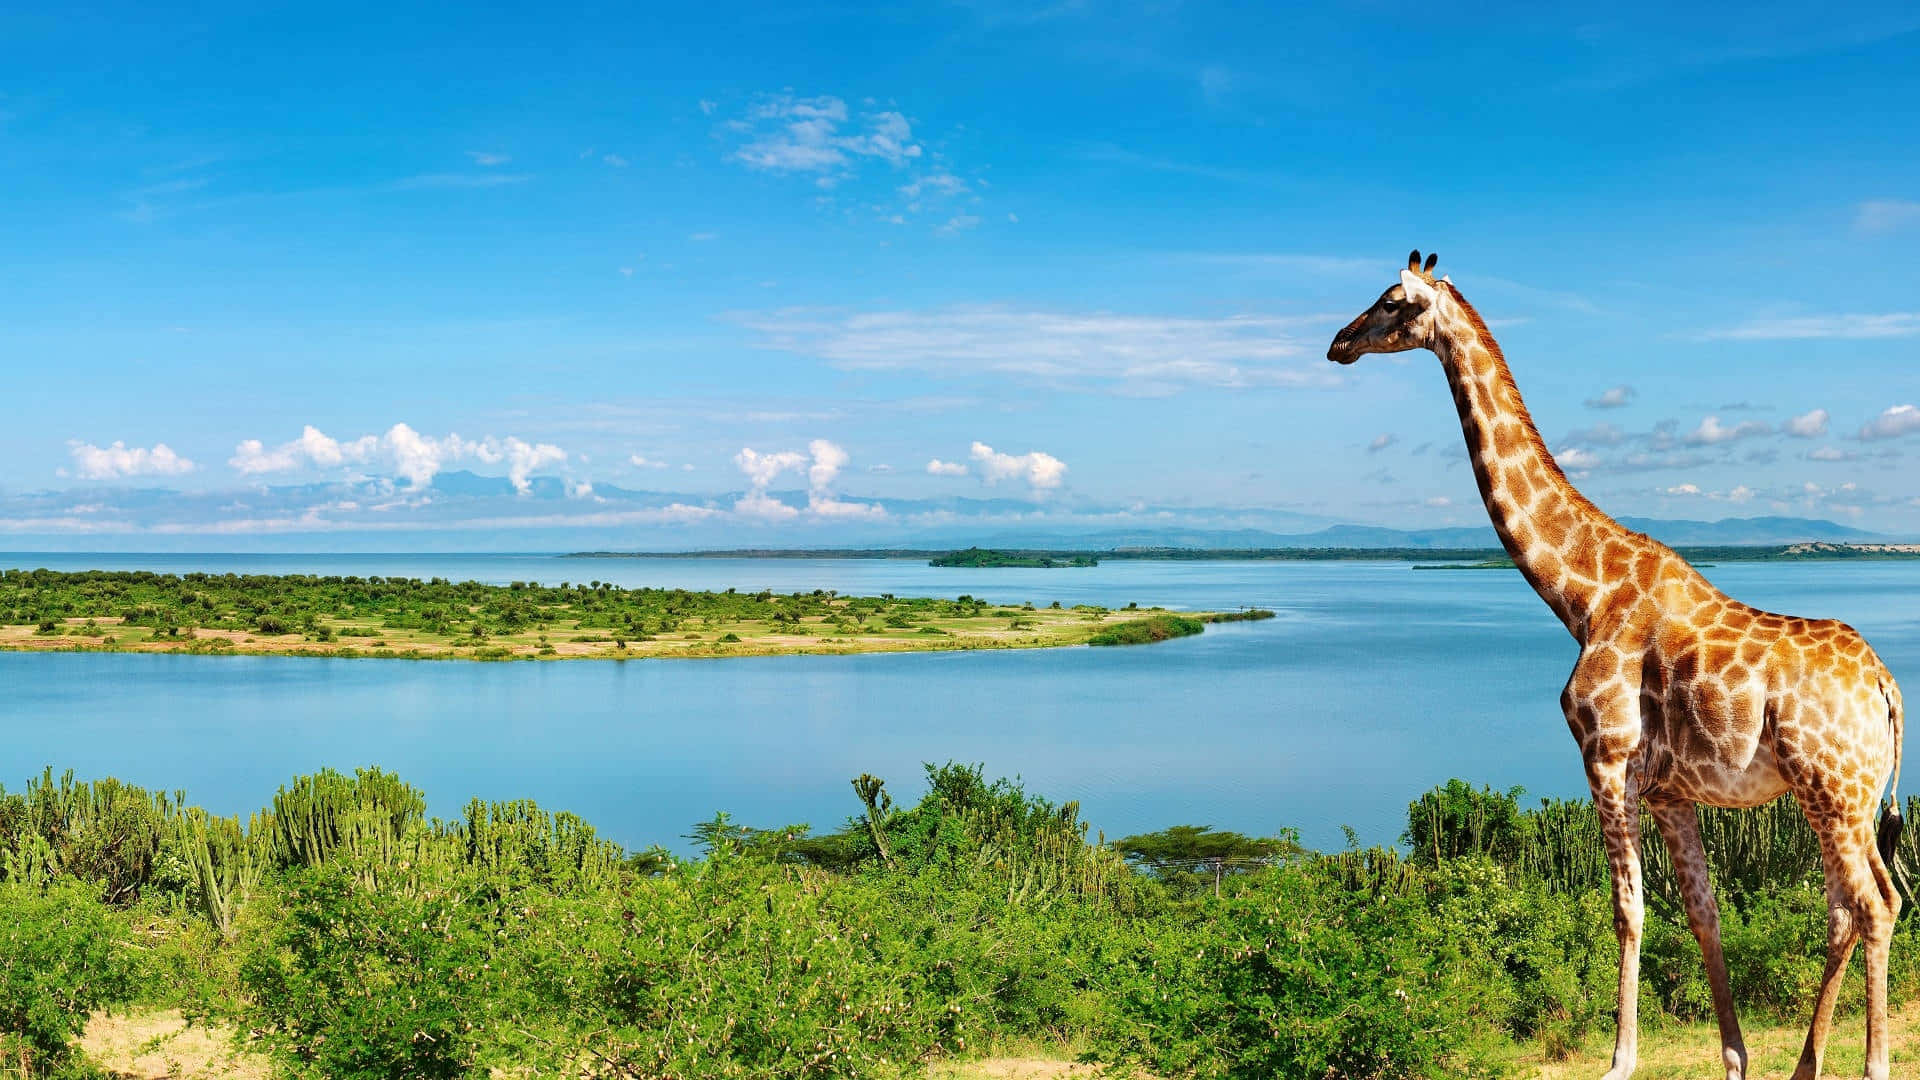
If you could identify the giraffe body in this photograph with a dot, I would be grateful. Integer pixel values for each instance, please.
(1681, 695)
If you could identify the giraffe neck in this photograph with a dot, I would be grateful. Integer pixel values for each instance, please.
(1552, 532)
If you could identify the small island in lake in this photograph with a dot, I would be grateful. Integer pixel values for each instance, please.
(307, 615)
(990, 557)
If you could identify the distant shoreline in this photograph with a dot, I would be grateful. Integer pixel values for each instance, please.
(1476, 558)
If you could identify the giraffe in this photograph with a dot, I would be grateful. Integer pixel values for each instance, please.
(1681, 695)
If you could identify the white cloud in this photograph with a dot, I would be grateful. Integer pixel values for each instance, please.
(120, 460)
(1828, 453)
(1382, 441)
(785, 133)
(409, 454)
(1808, 425)
(959, 223)
(1681, 489)
(937, 183)
(1147, 352)
(823, 462)
(1893, 423)
(1712, 432)
(615, 160)
(936, 467)
(828, 460)
(1575, 458)
(1614, 397)
(1894, 324)
(1041, 471)
(1886, 215)
(762, 469)
(641, 461)
(487, 160)
(1439, 502)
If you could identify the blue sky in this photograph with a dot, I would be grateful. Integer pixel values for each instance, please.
(805, 274)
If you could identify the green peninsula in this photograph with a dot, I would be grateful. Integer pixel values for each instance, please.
(305, 615)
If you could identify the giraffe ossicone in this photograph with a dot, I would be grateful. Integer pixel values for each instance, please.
(1681, 695)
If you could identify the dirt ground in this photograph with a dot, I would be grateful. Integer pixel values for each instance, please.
(161, 1046)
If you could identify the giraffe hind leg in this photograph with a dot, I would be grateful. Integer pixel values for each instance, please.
(1857, 911)
(1680, 826)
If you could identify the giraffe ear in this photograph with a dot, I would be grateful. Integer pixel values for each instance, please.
(1413, 260)
(1417, 288)
(1431, 260)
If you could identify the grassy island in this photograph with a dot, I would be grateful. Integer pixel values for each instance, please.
(435, 619)
(1035, 560)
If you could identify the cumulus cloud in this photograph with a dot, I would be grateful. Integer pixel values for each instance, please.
(1382, 441)
(1613, 398)
(1808, 425)
(936, 467)
(1041, 471)
(1574, 458)
(1712, 432)
(1439, 502)
(823, 461)
(1139, 353)
(1893, 423)
(119, 460)
(415, 457)
(641, 461)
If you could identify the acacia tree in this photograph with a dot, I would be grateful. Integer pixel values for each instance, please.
(1188, 851)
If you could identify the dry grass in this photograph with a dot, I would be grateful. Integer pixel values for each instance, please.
(162, 1046)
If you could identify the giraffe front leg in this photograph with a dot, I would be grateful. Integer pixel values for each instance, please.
(1680, 826)
(1616, 797)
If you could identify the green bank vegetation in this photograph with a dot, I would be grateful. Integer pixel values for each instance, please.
(993, 558)
(437, 618)
(349, 935)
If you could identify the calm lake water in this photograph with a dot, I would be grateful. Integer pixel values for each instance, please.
(1374, 683)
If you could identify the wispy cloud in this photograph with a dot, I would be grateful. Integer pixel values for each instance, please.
(457, 180)
(118, 461)
(1895, 324)
(1091, 349)
(488, 160)
(1886, 215)
(785, 133)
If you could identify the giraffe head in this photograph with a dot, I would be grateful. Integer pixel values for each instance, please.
(1401, 319)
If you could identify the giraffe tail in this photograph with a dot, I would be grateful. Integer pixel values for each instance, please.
(1891, 823)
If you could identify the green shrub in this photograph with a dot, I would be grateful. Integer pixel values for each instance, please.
(1147, 630)
(62, 956)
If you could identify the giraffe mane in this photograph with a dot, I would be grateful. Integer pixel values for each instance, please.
(1511, 388)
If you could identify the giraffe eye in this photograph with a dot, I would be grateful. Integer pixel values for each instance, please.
(1390, 305)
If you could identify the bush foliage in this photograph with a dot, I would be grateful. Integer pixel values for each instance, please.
(357, 937)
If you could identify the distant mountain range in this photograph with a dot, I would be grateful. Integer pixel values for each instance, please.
(1731, 531)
